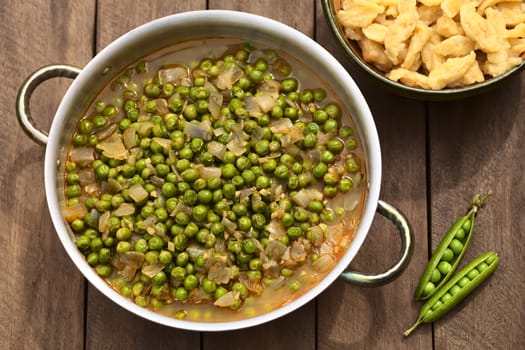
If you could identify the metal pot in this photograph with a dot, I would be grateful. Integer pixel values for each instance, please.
(162, 33)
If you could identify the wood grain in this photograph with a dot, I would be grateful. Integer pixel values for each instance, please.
(104, 318)
(477, 145)
(436, 156)
(42, 292)
(361, 318)
(297, 330)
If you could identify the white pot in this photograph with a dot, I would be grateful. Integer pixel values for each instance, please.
(167, 31)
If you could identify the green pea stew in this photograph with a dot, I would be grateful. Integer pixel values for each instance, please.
(214, 181)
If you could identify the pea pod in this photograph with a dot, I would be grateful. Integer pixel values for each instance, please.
(449, 252)
(456, 289)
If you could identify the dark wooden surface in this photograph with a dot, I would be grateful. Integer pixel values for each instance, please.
(436, 156)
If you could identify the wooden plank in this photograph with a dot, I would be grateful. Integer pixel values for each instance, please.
(375, 318)
(104, 318)
(477, 145)
(297, 330)
(301, 321)
(42, 292)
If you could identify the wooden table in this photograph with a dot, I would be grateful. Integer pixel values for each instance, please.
(436, 156)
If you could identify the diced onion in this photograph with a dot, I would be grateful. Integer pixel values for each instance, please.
(281, 125)
(217, 149)
(253, 285)
(251, 106)
(275, 249)
(124, 209)
(297, 252)
(129, 137)
(164, 143)
(106, 132)
(114, 149)
(151, 270)
(228, 77)
(206, 172)
(276, 229)
(82, 155)
(138, 193)
(181, 207)
(229, 225)
(86, 176)
(73, 212)
(270, 87)
(334, 233)
(227, 299)
(323, 138)
(265, 102)
(219, 273)
(201, 130)
(127, 264)
(305, 195)
(323, 263)
(236, 148)
(144, 127)
(195, 250)
(173, 74)
(215, 104)
(103, 222)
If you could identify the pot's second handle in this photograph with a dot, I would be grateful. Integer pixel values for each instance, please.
(407, 246)
(23, 98)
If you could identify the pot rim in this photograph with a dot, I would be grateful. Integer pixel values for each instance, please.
(367, 132)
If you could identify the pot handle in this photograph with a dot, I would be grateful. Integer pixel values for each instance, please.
(407, 246)
(23, 112)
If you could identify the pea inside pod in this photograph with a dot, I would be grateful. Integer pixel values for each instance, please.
(456, 289)
(449, 252)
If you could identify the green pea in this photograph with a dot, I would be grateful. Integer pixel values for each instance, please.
(346, 132)
(444, 267)
(178, 273)
(353, 165)
(288, 85)
(482, 267)
(165, 257)
(103, 270)
(123, 234)
(262, 182)
(330, 125)
(191, 282)
(286, 272)
(249, 246)
(330, 179)
(448, 255)
(335, 145)
(181, 294)
(294, 232)
(79, 139)
(460, 234)
(330, 191)
(320, 170)
(345, 184)
(429, 287)
(327, 157)
(208, 286)
(456, 246)
(436, 276)
(472, 274)
(294, 285)
(320, 116)
(310, 140)
(219, 292)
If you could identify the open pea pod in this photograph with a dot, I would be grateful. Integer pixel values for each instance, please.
(456, 289)
(449, 252)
